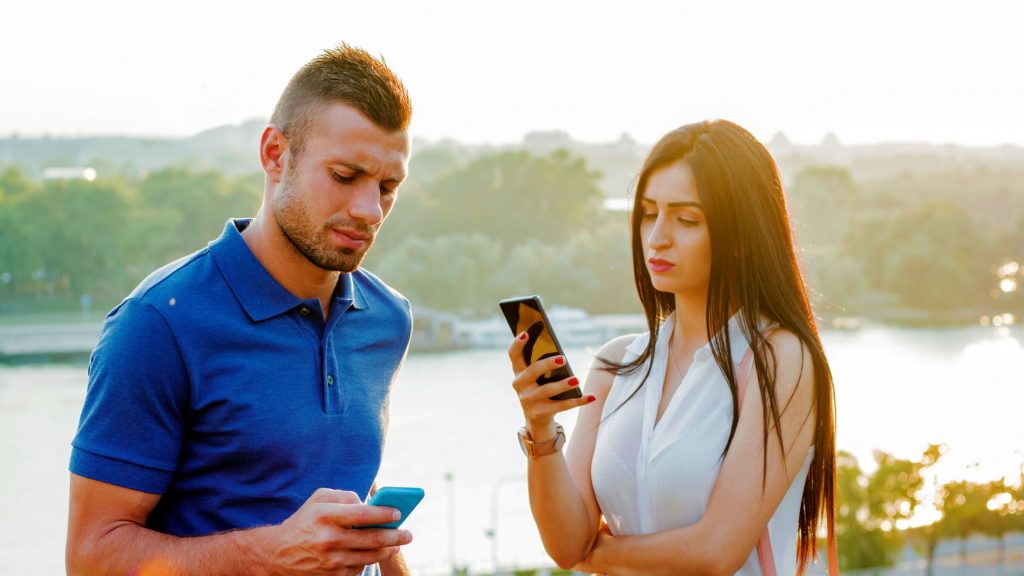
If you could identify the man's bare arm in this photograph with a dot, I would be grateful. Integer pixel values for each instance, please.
(107, 535)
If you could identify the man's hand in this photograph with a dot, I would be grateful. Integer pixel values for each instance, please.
(107, 535)
(320, 538)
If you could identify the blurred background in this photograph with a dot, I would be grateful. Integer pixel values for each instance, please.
(129, 134)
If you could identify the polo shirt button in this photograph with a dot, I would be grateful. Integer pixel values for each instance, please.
(304, 311)
(330, 380)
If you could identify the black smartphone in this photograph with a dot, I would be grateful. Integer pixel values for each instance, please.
(526, 314)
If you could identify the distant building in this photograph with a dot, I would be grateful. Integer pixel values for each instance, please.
(617, 204)
(69, 173)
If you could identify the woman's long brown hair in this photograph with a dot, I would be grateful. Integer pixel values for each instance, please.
(753, 267)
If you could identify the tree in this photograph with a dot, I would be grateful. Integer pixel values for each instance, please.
(962, 504)
(873, 510)
(1003, 514)
(179, 211)
(80, 230)
(935, 258)
(454, 273)
(861, 540)
(21, 250)
(429, 164)
(821, 201)
(514, 197)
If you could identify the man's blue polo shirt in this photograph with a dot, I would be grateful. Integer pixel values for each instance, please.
(217, 388)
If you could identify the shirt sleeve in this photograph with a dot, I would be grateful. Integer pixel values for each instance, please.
(132, 425)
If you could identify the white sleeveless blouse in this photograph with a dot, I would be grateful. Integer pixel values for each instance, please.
(651, 478)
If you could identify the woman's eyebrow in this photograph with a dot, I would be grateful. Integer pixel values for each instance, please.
(681, 204)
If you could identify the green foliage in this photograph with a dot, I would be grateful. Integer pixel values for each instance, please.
(507, 224)
(860, 538)
(936, 257)
(68, 238)
(447, 272)
(513, 197)
(472, 227)
(180, 211)
(820, 200)
(908, 245)
(873, 510)
(871, 507)
(431, 163)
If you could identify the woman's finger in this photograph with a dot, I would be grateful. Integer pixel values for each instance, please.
(515, 352)
(527, 377)
(547, 408)
(547, 391)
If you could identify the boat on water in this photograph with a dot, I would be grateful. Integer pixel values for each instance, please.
(436, 331)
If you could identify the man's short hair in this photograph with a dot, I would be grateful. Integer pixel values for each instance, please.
(346, 75)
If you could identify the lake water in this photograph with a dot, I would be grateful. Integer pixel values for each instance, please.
(453, 424)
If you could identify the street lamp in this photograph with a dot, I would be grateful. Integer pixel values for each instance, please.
(450, 479)
(492, 533)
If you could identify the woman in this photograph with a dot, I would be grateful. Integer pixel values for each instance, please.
(687, 482)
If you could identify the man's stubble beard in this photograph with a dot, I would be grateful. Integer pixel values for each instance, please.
(310, 240)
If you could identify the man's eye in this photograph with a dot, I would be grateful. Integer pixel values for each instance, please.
(648, 216)
(384, 190)
(342, 178)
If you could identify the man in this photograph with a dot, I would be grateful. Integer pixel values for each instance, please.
(237, 398)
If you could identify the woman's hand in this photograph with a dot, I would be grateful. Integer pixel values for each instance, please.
(538, 407)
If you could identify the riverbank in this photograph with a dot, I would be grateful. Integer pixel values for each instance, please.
(48, 342)
(71, 336)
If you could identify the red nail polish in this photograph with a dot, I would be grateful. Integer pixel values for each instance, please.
(522, 336)
(559, 360)
(574, 381)
(591, 398)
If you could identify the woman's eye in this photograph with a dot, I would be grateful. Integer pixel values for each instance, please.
(687, 222)
(649, 215)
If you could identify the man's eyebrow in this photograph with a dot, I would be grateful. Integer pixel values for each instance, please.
(353, 167)
(683, 204)
(360, 169)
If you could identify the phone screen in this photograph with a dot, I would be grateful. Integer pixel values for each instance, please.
(527, 315)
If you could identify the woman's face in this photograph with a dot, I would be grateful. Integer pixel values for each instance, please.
(674, 233)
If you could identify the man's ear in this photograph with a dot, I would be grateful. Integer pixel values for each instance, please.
(273, 146)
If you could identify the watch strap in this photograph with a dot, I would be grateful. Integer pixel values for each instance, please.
(537, 449)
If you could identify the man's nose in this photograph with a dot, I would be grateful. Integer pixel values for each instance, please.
(365, 204)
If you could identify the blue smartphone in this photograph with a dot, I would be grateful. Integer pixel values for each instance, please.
(403, 499)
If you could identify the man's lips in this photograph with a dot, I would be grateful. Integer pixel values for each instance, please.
(351, 238)
(659, 265)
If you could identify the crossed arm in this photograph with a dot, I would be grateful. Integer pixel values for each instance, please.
(107, 535)
(739, 508)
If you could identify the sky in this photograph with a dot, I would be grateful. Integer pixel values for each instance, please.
(489, 72)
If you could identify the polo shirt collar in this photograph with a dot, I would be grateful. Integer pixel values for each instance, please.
(348, 290)
(257, 291)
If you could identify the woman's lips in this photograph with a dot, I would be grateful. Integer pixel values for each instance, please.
(659, 266)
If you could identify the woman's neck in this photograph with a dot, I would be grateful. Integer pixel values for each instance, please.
(691, 321)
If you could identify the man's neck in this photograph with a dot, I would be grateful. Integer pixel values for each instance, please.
(287, 265)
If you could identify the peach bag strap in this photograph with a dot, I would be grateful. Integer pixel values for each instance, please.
(764, 544)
